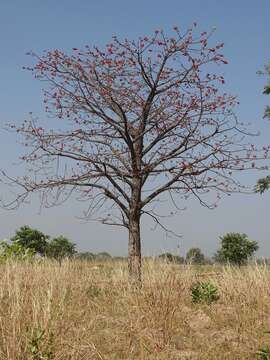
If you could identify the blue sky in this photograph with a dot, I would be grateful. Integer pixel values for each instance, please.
(38, 25)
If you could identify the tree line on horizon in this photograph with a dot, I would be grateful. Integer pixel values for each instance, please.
(235, 248)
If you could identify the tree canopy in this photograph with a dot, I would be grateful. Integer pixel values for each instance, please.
(236, 249)
(60, 248)
(30, 238)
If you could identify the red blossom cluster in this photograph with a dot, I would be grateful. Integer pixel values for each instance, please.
(135, 111)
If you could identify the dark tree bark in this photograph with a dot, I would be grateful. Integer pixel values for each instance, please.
(134, 250)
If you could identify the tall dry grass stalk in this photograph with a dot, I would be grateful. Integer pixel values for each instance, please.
(85, 310)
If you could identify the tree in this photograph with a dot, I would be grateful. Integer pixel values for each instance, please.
(263, 184)
(31, 239)
(236, 249)
(195, 256)
(60, 248)
(137, 120)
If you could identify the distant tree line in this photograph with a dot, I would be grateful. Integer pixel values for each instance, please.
(235, 249)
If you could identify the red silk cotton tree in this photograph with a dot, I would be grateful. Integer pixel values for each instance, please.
(137, 119)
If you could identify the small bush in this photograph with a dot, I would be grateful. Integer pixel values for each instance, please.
(204, 292)
(40, 345)
(93, 291)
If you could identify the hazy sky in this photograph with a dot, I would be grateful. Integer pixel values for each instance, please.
(243, 25)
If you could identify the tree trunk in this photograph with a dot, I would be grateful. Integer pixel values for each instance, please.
(134, 241)
(134, 251)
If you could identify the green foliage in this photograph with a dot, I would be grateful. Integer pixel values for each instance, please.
(27, 242)
(266, 90)
(263, 353)
(93, 291)
(262, 185)
(40, 345)
(31, 239)
(267, 112)
(204, 292)
(15, 251)
(236, 249)
(60, 248)
(195, 256)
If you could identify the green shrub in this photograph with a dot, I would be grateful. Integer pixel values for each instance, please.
(263, 353)
(40, 345)
(15, 251)
(204, 292)
(93, 291)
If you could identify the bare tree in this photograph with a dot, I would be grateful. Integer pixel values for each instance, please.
(136, 120)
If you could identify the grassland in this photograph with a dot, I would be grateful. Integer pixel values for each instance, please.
(84, 310)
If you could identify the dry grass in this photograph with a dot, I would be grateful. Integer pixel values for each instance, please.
(82, 310)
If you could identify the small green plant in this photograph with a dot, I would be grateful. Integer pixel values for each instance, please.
(40, 345)
(93, 291)
(204, 292)
(263, 353)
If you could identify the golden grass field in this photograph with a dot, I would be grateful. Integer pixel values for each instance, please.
(85, 310)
